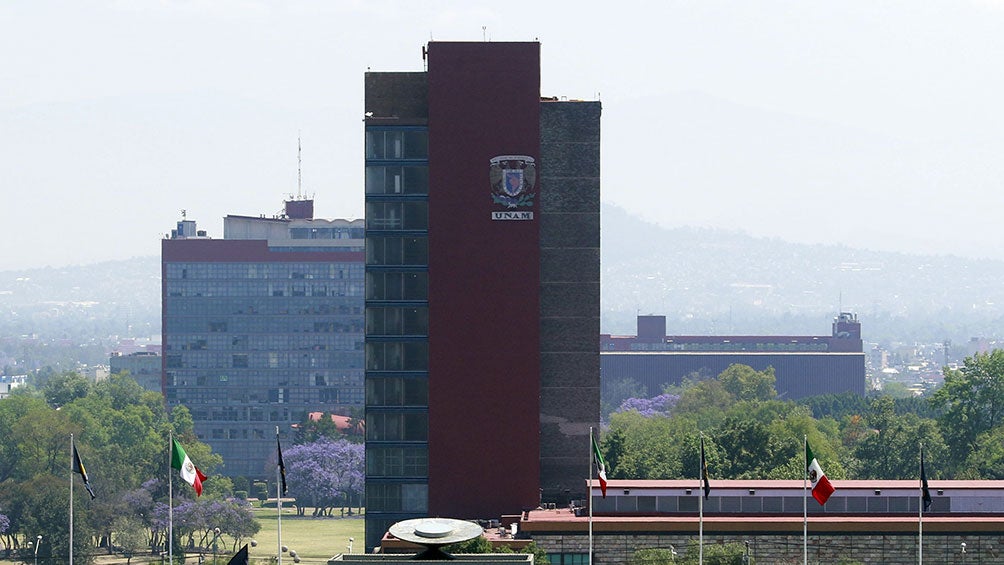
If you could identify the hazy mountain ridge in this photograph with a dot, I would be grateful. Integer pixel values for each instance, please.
(714, 281)
(705, 281)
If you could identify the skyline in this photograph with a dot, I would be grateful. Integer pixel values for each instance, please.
(871, 126)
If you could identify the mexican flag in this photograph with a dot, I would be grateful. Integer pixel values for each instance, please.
(821, 487)
(188, 470)
(601, 468)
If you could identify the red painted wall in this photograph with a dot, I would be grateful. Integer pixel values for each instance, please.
(484, 281)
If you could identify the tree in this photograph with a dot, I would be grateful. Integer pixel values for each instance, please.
(746, 383)
(324, 473)
(892, 449)
(972, 400)
(65, 388)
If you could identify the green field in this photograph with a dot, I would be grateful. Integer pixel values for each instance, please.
(314, 539)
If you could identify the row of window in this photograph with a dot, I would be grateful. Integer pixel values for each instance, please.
(196, 396)
(223, 288)
(397, 356)
(718, 346)
(195, 325)
(411, 461)
(239, 306)
(396, 144)
(397, 179)
(395, 497)
(326, 233)
(263, 360)
(270, 270)
(397, 391)
(397, 215)
(397, 321)
(411, 251)
(397, 286)
(397, 426)
(266, 342)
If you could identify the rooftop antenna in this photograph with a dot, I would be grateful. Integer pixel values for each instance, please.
(299, 168)
(183, 215)
(484, 33)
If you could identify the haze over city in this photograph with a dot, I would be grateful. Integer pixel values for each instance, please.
(875, 125)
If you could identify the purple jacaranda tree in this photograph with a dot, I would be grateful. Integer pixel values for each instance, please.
(324, 473)
(660, 405)
(199, 519)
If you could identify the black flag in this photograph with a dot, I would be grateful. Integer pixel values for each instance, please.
(240, 558)
(282, 469)
(925, 491)
(78, 467)
(704, 472)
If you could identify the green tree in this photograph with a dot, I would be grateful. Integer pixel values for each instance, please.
(746, 383)
(65, 388)
(892, 449)
(972, 401)
(987, 460)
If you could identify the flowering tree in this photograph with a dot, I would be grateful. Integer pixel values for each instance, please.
(199, 520)
(660, 405)
(4, 526)
(324, 473)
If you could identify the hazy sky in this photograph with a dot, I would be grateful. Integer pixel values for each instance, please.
(874, 124)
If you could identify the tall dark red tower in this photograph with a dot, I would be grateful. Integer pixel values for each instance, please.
(482, 217)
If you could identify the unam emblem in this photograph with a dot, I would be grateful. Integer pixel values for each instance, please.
(512, 179)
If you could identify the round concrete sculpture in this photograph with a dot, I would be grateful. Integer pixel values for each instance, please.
(433, 533)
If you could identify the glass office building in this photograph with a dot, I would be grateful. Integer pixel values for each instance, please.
(261, 328)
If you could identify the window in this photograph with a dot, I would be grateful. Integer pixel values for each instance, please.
(397, 286)
(397, 251)
(397, 215)
(397, 321)
(397, 356)
(397, 462)
(395, 179)
(397, 391)
(397, 144)
(397, 426)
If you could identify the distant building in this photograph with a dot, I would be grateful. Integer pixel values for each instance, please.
(482, 287)
(804, 365)
(143, 366)
(9, 383)
(262, 327)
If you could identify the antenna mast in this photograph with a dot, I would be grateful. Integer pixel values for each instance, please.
(299, 167)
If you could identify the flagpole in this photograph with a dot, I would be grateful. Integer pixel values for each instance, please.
(805, 502)
(278, 503)
(700, 506)
(170, 500)
(589, 490)
(920, 512)
(71, 499)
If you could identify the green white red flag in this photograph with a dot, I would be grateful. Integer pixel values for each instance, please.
(601, 468)
(189, 472)
(821, 487)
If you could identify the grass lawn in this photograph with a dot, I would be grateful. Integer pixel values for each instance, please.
(315, 539)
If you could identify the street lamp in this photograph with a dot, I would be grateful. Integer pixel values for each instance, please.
(216, 536)
(38, 542)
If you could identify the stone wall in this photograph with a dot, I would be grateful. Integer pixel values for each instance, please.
(787, 549)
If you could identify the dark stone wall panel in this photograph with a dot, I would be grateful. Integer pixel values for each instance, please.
(570, 299)
(570, 230)
(569, 369)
